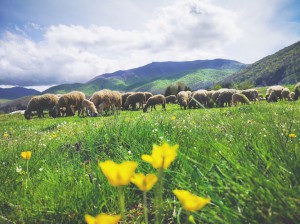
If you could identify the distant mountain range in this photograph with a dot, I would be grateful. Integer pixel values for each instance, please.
(16, 92)
(156, 76)
(283, 67)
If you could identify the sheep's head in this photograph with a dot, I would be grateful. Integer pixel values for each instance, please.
(144, 109)
(54, 112)
(27, 114)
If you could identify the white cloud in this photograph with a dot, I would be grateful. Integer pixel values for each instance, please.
(181, 30)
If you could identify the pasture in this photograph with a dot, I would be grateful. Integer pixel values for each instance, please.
(246, 159)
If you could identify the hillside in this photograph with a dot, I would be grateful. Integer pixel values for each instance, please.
(283, 67)
(16, 92)
(156, 76)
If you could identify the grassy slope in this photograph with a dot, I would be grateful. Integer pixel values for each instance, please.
(240, 157)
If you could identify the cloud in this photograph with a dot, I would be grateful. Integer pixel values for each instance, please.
(183, 30)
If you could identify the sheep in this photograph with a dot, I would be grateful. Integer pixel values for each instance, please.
(40, 103)
(225, 97)
(209, 100)
(216, 94)
(72, 101)
(138, 97)
(198, 99)
(285, 94)
(277, 92)
(153, 100)
(89, 108)
(296, 91)
(124, 97)
(251, 94)
(116, 101)
(171, 99)
(183, 99)
(239, 97)
(272, 96)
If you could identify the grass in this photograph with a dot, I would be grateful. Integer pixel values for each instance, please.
(241, 157)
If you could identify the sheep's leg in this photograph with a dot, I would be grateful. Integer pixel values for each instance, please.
(101, 107)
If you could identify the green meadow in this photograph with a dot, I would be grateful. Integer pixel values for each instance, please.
(246, 159)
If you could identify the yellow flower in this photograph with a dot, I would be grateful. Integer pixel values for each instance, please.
(292, 135)
(118, 174)
(190, 201)
(144, 183)
(162, 156)
(26, 155)
(5, 135)
(173, 118)
(102, 219)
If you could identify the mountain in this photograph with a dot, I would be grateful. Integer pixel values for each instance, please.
(16, 92)
(283, 67)
(156, 76)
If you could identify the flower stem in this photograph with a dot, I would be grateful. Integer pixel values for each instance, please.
(158, 197)
(145, 207)
(27, 173)
(122, 201)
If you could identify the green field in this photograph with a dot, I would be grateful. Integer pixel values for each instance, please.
(243, 158)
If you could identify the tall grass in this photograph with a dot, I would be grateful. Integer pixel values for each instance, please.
(241, 157)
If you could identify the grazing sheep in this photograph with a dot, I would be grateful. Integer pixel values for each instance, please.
(273, 96)
(251, 94)
(296, 91)
(225, 97)
(285, 94)
(277, 92)
(154, 100)
(101, 99)
(239, 97)
(89, 108)
(209, 99)
(124, 97)
(138, 97)
(116, 101)
(183, 99)
(216, 94)
(72, 101)
(198, 99)
(171, 99)
(40, 103)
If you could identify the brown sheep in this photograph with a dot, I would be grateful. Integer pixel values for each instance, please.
(40, 103)
(101, 99)
(116, 101)
(198, 99)
(89, 108)
(72, 101)
(154, 100)
(285, 94)
(251, 94)
(183, 99)
(124, 97)
(209, 98)
(296, 91)
(225, 97)
(147, 96)
(171, 99)
(138, 97)
(277, 92)
(273, 96)
(239, 97)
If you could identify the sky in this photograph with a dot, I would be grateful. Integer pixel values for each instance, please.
(53, 42)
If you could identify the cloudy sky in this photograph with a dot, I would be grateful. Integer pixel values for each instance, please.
(53, 41)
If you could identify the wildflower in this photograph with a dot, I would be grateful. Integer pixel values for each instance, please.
(173, 118)
(144, 183)
(250, 121)
(26, 155)
(18, 169)
(5, 135)
(190, 201)
(162, 156)
(102, 219)
(118, 174)
(292, 135)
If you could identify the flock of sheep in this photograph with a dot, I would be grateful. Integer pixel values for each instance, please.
(106, 100)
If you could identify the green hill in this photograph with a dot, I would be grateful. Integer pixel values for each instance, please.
(156, 76)
(283, 67)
